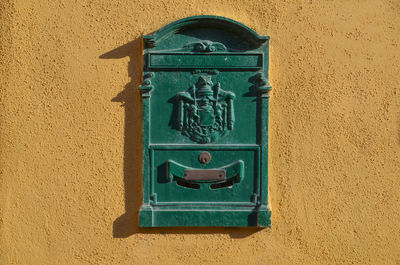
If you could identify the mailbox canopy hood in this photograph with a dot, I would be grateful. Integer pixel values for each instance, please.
(226, 31)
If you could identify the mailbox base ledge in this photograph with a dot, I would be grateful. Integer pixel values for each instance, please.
(168, 216)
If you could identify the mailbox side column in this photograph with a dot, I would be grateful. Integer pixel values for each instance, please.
(263, 107)
(264, 211)
(146, 211)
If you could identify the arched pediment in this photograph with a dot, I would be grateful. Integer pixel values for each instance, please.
(221, 31)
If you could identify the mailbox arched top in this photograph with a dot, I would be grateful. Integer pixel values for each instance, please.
(206, 22)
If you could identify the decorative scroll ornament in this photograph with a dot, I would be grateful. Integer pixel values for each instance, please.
(206, 46)
(205, 112)
(263, 87)
(146, 86)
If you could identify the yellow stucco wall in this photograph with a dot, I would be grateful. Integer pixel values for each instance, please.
(70, 158)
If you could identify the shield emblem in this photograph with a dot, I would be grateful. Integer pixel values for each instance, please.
(206, 116)
(205, 111)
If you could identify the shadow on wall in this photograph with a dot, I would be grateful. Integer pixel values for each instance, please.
(128, 223)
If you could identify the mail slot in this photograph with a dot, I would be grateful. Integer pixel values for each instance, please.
(205, 94)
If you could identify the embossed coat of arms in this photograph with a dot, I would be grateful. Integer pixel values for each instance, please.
(205, 111)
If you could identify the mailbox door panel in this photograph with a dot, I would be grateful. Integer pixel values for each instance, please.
(239, 186)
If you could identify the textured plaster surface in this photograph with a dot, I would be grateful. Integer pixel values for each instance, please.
(70, 158)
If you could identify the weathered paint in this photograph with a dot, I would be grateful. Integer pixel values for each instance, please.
(205, 80)
(71, 153)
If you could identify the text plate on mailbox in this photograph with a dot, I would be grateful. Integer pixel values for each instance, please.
(204, 174)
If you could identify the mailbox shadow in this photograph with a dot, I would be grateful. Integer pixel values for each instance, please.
(129, 97)
(128, 223)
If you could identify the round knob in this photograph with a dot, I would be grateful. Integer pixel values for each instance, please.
(204, 157)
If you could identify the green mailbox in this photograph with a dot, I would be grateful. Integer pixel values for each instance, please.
(205, 95)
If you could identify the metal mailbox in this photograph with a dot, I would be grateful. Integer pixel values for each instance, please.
(205, 95)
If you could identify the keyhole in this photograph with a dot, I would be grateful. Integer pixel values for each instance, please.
(204, 157)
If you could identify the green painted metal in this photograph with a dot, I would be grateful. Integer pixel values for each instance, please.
(239, 61)
(205, 94)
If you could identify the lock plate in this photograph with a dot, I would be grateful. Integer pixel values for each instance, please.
(204, 157)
